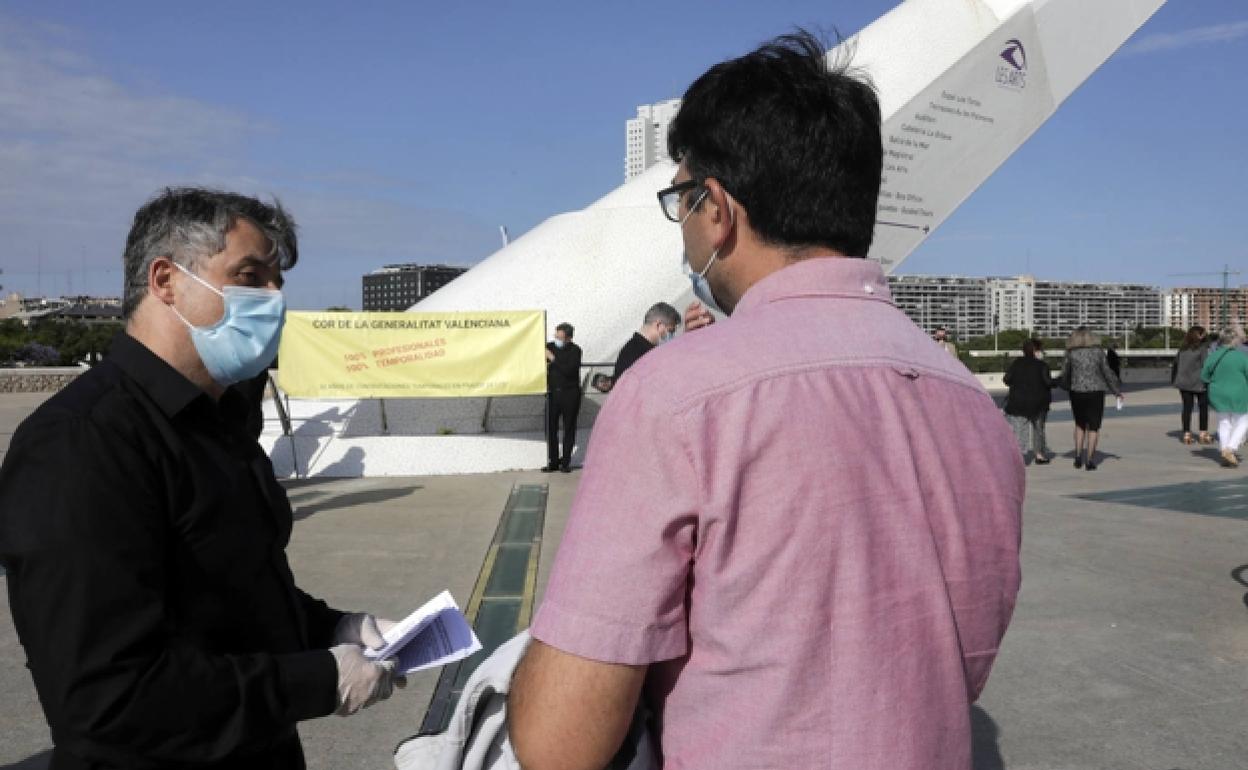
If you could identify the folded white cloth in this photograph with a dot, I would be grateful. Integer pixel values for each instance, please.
(476, 738)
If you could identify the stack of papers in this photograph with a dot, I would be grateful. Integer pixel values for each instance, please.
(434, 635)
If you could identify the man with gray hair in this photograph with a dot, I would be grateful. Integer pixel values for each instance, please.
(658, 326)
(150, 589)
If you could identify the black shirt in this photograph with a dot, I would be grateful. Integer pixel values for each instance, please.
(1115, 363)
(1030, 387)
(564, 373)
(144, 537)
(633, 350)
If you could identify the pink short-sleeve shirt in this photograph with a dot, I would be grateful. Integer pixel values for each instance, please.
(806, 518)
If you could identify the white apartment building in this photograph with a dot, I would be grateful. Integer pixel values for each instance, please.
(963, 306)
(1059, 307)
(646, 136)
(975, 307)
(1012, 301)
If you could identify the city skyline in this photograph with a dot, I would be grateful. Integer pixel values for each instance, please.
(387, 154)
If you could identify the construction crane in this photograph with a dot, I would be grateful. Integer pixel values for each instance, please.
(1226, 272)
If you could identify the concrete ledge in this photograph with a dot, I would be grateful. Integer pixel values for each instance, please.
(1131, 375)
(38, 379)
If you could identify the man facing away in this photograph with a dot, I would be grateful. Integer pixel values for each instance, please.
(563, 397)
(777, 543)
(144, 533)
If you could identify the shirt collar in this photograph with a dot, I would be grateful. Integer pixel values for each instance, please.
(849, 277)
(167, 387)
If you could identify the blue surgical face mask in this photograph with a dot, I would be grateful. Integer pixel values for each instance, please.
(558, 342)
(702, 287)
(244, 341)
(665, 337)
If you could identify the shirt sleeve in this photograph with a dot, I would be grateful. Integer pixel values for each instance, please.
(84, 537)
(617, 590)
(322, 619)
(621, 363)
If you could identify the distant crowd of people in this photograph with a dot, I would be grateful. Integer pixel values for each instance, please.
(1087, 375)
(1208, 371)
(1213, 373)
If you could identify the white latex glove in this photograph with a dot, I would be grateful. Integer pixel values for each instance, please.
(362, 628)
(361, 682)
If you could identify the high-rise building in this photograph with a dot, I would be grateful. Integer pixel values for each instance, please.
(1190, 305)
(1013, 300)
(646, 136)
(398, 287)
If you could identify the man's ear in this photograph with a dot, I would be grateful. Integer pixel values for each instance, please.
(725, 215)
(719, 203)
(160, 279)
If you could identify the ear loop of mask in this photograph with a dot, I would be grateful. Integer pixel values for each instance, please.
(202, 282)
(732, 219)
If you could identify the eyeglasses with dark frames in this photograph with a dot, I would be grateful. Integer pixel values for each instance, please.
(670, 198)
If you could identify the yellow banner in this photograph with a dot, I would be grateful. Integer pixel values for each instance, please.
(413, 355)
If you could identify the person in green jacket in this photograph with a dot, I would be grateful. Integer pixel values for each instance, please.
(1226, 371)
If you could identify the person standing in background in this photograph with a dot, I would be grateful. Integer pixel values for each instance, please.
(942, 339)
(1114, 360)
(1185, 375)
(1226, 373)
(1042, 420)
(563, 397)
(658, 326)
(1028, 401)
(1086, 376)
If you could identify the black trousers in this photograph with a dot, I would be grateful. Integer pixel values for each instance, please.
(1201, 398)
(565, 405)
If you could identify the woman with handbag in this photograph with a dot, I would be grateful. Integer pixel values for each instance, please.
(1226, 372)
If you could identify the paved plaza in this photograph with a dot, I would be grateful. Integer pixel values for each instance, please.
(1129, 647)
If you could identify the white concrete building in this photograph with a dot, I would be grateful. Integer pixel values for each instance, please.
(1059, 307)
(1178, 308)
(974, 307)
(646, 136)
(1012, 302)
(963, 306)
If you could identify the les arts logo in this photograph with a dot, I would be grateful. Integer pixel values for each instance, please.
(1013, 73)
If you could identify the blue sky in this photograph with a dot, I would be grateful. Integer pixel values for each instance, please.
(401, 131)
